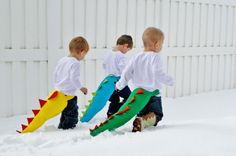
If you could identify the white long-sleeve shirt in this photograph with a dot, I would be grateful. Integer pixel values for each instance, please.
(67, 75)
(114, 62)
(146, 71)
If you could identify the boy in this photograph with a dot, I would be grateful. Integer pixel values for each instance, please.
(146, 71)
(66, 80)
(114, 63)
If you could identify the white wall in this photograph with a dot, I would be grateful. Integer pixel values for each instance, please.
(200, 43)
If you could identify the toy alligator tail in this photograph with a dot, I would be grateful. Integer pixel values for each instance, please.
(101, 96)
(55, 103)
(134, 104)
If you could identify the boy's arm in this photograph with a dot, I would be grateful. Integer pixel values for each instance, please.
(75, 75)
(125, 76)
(162, 76)
(121, 63)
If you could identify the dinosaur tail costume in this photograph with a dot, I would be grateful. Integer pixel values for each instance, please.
(54, 104)
(134, 104)
(100, 97)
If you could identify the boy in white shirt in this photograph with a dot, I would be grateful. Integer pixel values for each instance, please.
(146, 71)
(114, 63)
(66, 80)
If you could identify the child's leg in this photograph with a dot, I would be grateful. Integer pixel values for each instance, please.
(114, 105)
(69, 116)
(154, 105)
(125, 93)
(150, 115)
(115, 100)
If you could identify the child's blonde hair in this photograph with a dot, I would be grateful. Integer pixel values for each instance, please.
(152, 35)
(78, 44)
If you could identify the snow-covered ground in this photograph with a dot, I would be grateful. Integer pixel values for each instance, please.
(200, 125)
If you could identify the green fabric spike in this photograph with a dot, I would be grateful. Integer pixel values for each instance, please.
(105, 81)
(94, 93)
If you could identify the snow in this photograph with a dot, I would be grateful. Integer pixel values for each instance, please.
(199, 125)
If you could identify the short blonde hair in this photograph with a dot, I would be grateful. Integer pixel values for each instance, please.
(152, 35)
(78, 44)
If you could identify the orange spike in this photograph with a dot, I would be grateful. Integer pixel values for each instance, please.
(35, 111)
(111, 117)
(42, 102)
(140, 91)
(53, 95)
(132, 100)
(23, 126)
(29, 120)
(124, 110)
(18, 131)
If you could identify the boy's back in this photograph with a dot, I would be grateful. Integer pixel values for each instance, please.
(146, 71)
(63, 80)
(114, 62)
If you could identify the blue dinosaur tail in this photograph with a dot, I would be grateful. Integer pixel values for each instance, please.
(101, 96)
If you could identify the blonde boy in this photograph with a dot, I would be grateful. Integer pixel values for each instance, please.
(146, 71)
(67, 80)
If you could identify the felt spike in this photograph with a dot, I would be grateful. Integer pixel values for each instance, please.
(101, 124)
(96, 127)
(42, 102)
(105, 121)
(86, 106)
(140, 91)
(105, 81)
(18, 131)
(90, 130)
(29, 120)
(132, 100)
(83, 112)
(90, 101)
(53, 95)
(99, 87)
(94, 93)
(124, 110)
(111, 117)
(23, 126)
(35, 111)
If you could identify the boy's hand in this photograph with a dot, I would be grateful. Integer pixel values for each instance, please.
(116, 89)
(84, 90)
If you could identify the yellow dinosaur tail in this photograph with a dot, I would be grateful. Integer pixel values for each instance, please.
(55, 103)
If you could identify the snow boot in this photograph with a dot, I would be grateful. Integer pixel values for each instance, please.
(145, 121)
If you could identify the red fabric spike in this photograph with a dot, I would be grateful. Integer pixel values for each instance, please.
(96, 127)
(132, 100)
(90, 130)
(29, 120)
(42, 102)
(140, 91)
(124, 110)
(111, 117)
(53, 95)
(18, 131)
(23, 127)
(35, 112)
(101, 124)
(105, 121)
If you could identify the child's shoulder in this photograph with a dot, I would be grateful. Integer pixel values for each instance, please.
(68, 60)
